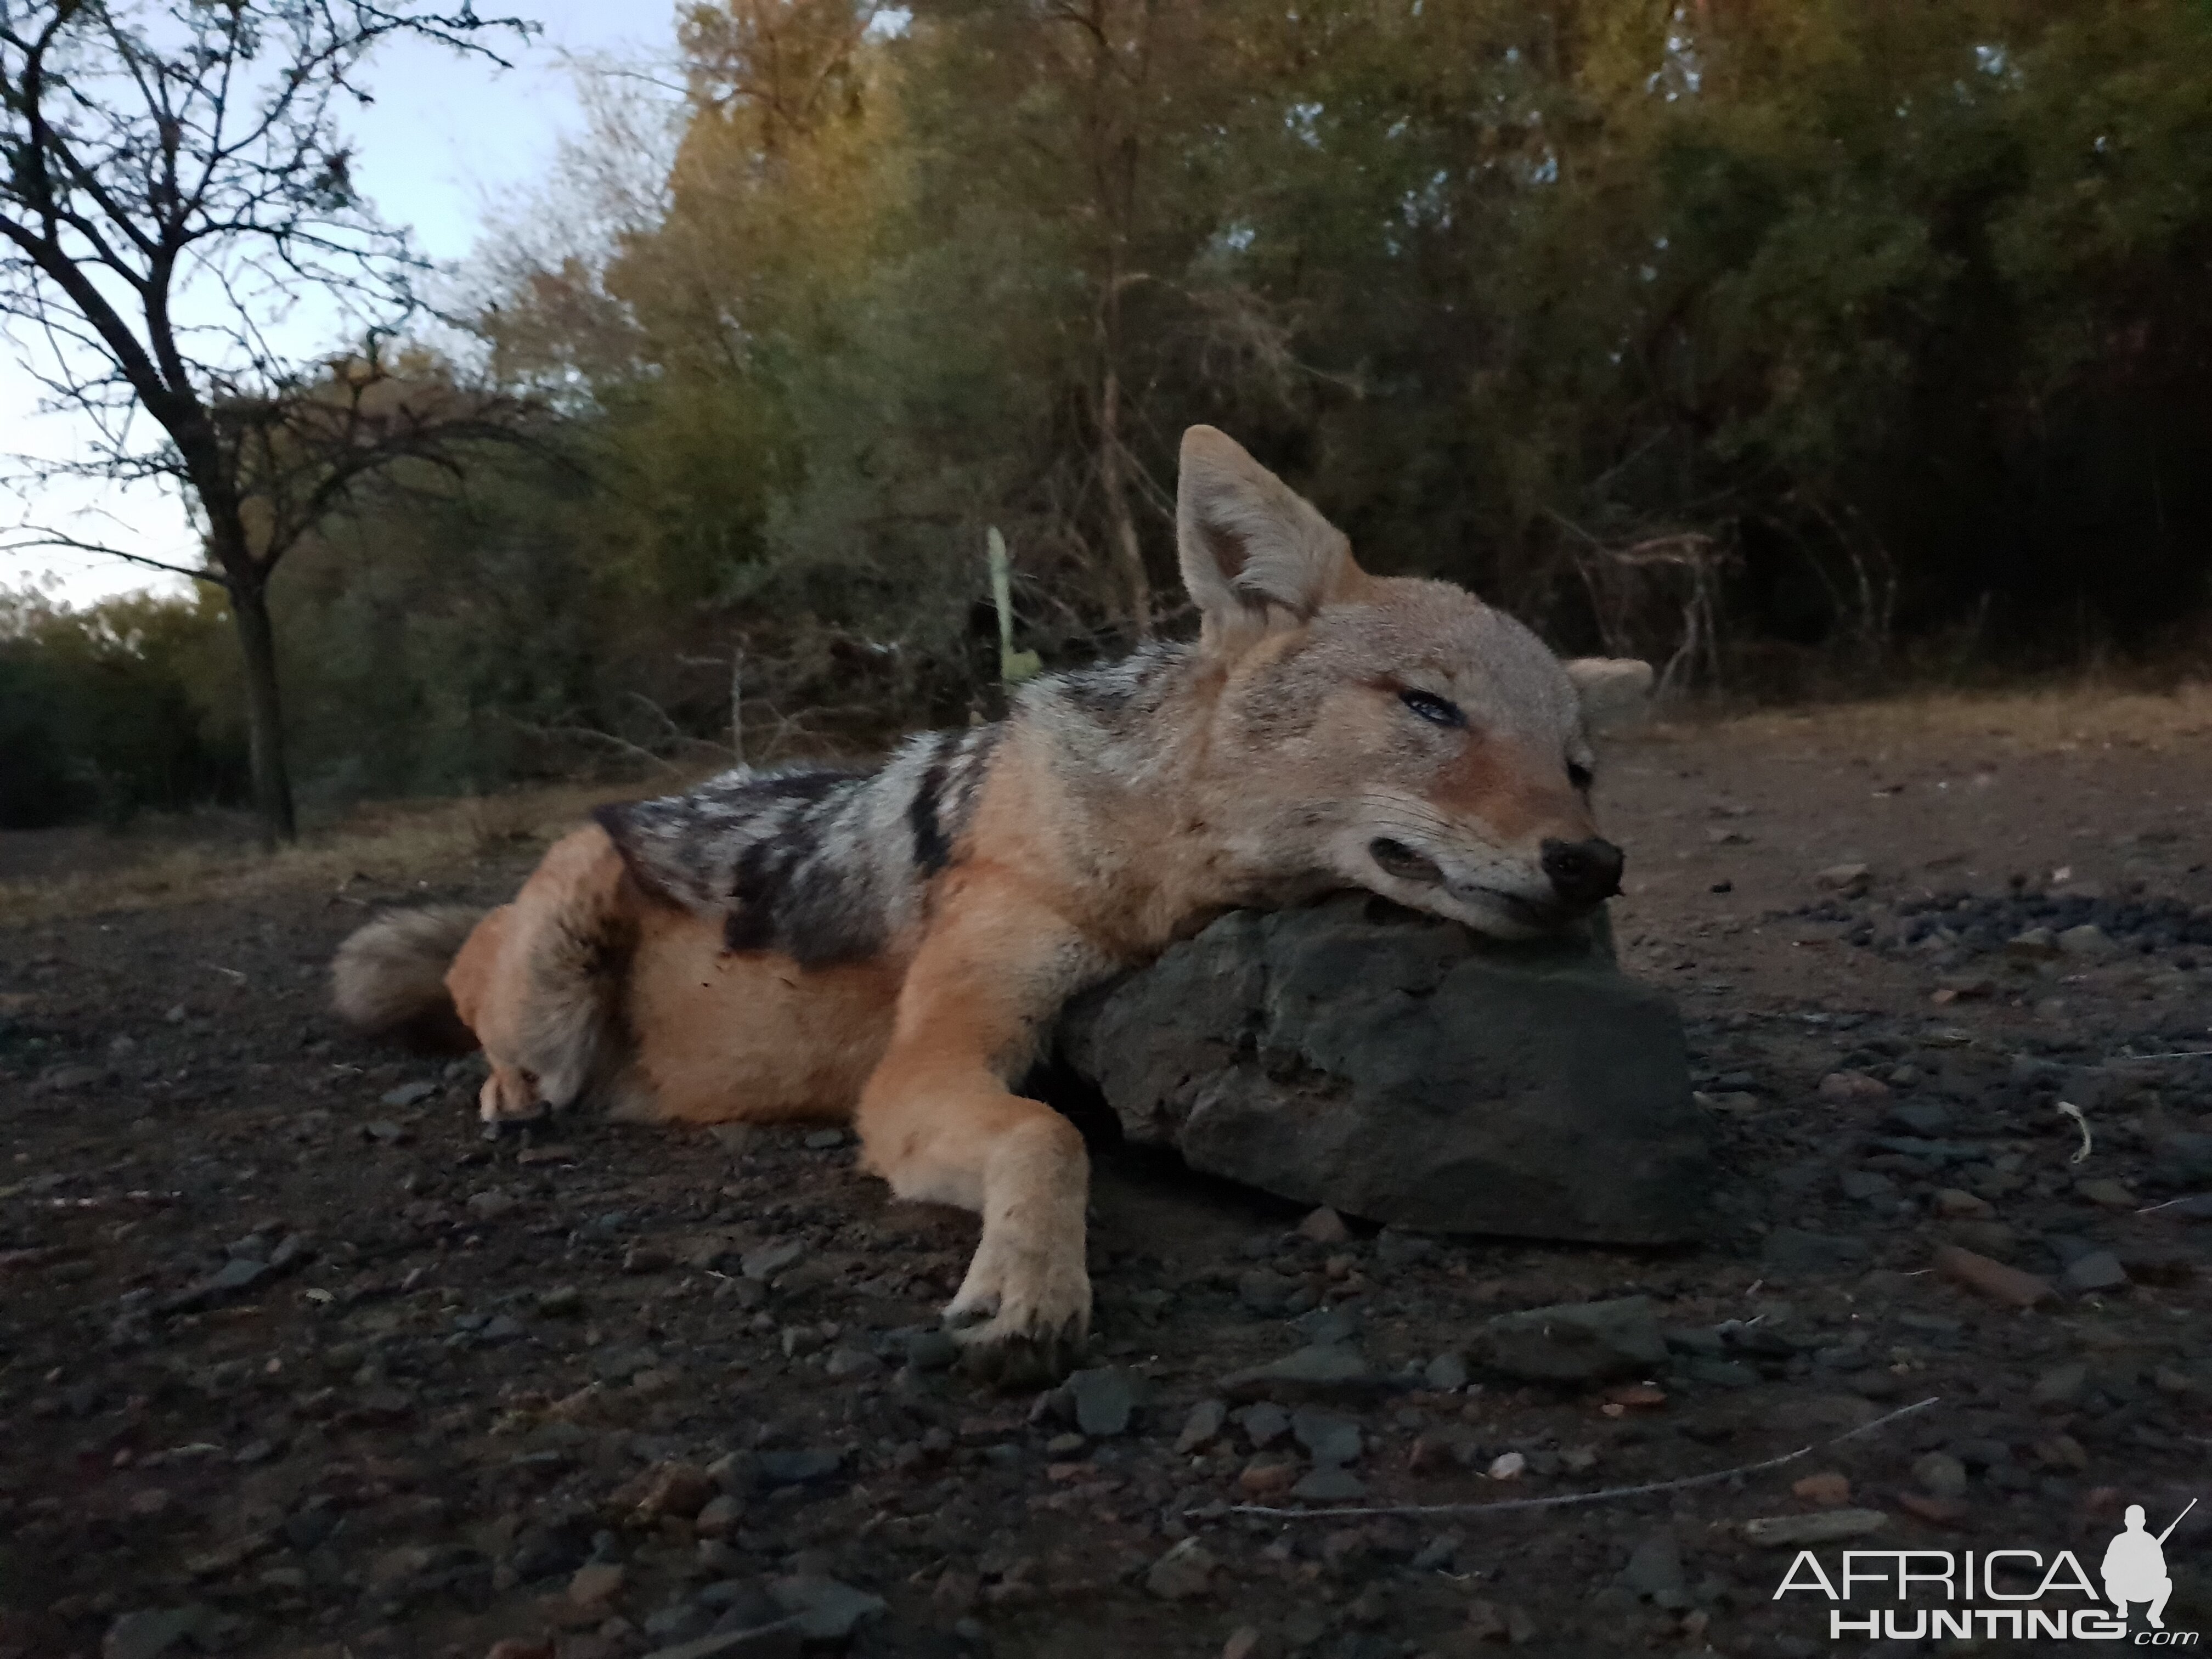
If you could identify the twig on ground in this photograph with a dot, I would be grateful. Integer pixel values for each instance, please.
(2068, 1109)
(1606, 1495)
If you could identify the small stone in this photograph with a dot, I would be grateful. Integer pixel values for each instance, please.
(826, 1610)
(1264, 1423)
(1793, 1252)
(1202, 1427)
(1849, 880)
(1243, 1643)
(1330, 1485)
(2107, 1194)
(646, 1259)
(851, 1363)
(931, 1350)
(2035, 945)
(668, 1488)
(2086, 940)
(1654, 1569)
(408, 1094)
(1827, 1526)
(769, 1259)
(1184, 1572)
(1446, 1373)
(1920, 1117)
(1830, 1489)
(152, 1633)
(1507, 1466)
(793, 1468)
(382, 1129)
(1327, 1439)
(1938, 1511)
(1264, 1290)
(719, 1518)
(1992, 1278)
(2060, 1385)
(560, 1302)
(1954, 1202)
(1941, 1474)
(1574, 1342)
(2099, 1270)
(1324, 1226)
(1323, 1370)
(490, 1204)
(1104, 1397)
(1852, 1087)
(596, 1583)
(822, 1139)
(1265, 1476)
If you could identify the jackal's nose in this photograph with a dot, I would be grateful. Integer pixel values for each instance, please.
(1584, 872)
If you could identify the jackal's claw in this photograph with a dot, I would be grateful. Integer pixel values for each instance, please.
(1011, 1359)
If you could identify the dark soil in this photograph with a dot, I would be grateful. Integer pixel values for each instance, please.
(288, 1350)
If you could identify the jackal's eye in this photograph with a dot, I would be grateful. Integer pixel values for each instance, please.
(1580, 775)
(1437, 711)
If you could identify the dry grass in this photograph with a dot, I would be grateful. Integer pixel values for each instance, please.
(385, 842)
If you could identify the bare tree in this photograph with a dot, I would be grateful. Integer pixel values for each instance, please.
(173, 181)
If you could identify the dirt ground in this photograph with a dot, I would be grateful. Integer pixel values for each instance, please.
(295, 1363)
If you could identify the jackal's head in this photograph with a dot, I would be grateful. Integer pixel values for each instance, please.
(1395, 733)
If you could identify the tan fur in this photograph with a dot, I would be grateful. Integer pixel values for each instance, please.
(1286, 756)
(388, 978)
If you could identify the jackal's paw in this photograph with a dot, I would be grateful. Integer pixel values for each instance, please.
(510, 1095)
(1021, 1318)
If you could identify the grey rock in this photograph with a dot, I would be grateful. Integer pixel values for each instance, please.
(1328, 1440)
(1264, 1290)
(2061, 1385)
(2086, 940)
(1185, 1571)
(1326, 1325)
(1321, 1371)
(1941, 1474)
(2185, 1156)
(152, 1632)
(1104, 1397)
(1409, 1072)
(852, 1362)
(1330, 1485)
(1921, 1118)
(408, 1094)
(822, 1139)
(1446, 1373)
(1576, 1342)
(1263, 1423)
(826, 1611)
(777, 1639)
(2098, 1270)
(1868, 1186)
(1203, 1426)
(792, 1468)
(1791, 1250)
(769, 1259)
(1655, 1569)
(931, 1350)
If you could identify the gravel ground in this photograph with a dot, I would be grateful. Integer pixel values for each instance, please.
(297, 1364)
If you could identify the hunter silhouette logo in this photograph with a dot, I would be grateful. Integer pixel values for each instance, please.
(2135, 1567)
(2002, 1594)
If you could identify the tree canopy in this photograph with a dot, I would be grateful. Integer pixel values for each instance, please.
(1772, 340)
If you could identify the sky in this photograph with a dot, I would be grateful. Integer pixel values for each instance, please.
(447, 141)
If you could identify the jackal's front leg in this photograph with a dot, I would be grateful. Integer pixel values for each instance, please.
(938, 1121)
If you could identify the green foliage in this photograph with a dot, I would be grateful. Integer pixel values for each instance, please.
(104, 711)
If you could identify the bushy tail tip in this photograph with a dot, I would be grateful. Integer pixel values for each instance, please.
(388, 979)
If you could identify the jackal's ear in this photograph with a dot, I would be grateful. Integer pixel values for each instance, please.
(1615, 691)
(1251, 544)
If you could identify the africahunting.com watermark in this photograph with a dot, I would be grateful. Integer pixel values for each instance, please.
(1946, 1593)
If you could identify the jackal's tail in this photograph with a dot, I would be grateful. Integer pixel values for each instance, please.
(388, 979)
